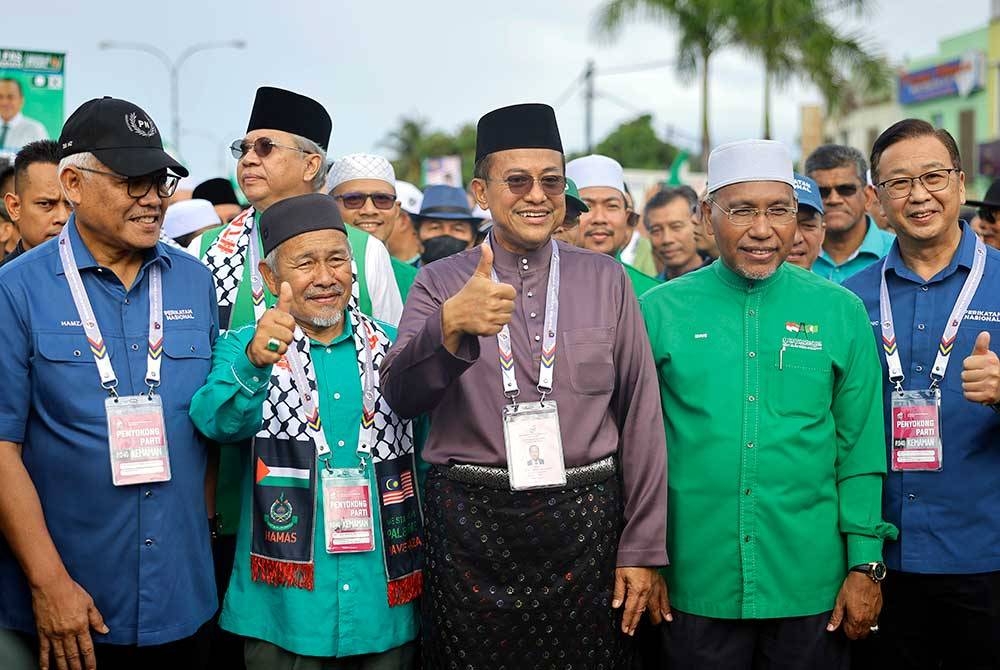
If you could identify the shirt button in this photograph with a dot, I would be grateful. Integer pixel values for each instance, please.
(336, 396)
(924, 289)
(748, 491)
(135, 347)
(538, 338)
(919, 368)
(193, 348)
(531, 294)
(751, 398)
(256, 379)
(920, 326)
(77, 353)
(749, 445)
(746, 539)
(533, 315)
(340, 444)
(149, 543)
(127, 301)
(751, 354)
(910, 496)
(752, 312)
(149, 494)
(347, 587)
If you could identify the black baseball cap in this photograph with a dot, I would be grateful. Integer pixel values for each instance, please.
(120, 134)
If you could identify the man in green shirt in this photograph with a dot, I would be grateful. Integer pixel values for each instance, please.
(606, 227)
(364, 186)
(328, 560)
(770, 394)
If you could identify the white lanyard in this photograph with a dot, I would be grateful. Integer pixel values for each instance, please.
(889, 344)
(98, 346)
(310, 406)
(547, 365)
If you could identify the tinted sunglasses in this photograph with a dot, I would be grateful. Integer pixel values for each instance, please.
(521, 184)
(843, 190)
(357, 200)
(262, 146)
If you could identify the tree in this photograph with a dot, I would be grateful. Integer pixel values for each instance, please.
(703, 26)
(634, 144)
(795, 39)
(412, 142)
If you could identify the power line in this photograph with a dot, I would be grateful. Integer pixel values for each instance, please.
(565, 95)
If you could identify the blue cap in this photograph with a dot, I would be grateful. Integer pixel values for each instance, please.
(807, 192)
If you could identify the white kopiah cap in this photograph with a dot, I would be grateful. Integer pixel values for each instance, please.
(187, 216)
(360, 166)
(749, 160)
(410, 196)
(596, 170)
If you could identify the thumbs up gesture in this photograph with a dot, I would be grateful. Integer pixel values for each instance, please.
(276, 326)
(481, 308)
(981, 373)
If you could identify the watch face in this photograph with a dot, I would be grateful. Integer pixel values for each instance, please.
(878, 571)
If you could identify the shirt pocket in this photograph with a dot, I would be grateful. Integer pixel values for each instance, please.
(800, 383)
(188, 360)
(66, 375)
(590, 353)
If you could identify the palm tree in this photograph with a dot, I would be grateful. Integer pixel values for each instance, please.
(703, 26)
(407, 143)
(795, 39)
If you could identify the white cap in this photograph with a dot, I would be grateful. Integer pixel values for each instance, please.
(187, 216)
(410, 196)
(360, 166)
(749, 160)
(596, 170)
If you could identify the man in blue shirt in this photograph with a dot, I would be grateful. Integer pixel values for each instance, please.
(853, 241)
(942, 594)
(104, 541)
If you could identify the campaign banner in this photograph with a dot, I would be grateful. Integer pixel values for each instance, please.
(31, 84)
(960, 76)
(445, 170)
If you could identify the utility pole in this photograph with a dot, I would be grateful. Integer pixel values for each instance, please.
(588, 101)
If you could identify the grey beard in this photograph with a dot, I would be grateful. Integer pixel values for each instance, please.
(328, 322)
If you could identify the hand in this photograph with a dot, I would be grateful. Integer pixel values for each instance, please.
(659, 602)
(981, 373)
(632, 588)
(64, 615)
(858, 605)
(481, 308)
(276, 323)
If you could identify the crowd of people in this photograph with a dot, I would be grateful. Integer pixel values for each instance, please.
(359, 425)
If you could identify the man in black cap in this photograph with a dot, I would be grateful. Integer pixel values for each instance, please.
(989, 212)
(105, 555)
(329, 544)
(219, 191)
(527, 342)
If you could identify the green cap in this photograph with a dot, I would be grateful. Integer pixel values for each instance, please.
(573, 197)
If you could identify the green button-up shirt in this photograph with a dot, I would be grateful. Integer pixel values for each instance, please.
(773, 415)
(347, 612)
(874, 247)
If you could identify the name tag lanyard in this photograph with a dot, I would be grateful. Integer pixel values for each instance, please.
(154, 351)
(889, 346)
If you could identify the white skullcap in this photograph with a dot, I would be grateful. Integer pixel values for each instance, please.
(188, 216)
(596, 170)
(749, 160)
(410, 196)
(360, 166)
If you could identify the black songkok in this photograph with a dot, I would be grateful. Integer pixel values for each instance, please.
(217, 191)
(297, 215)
(278, 109)
(528, 126)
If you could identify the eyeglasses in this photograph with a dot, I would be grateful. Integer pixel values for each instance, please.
(745, 216)
(843, 190)
(521, 184)
(357, 200)
(933, 181)
(138, 187)
(262, 146)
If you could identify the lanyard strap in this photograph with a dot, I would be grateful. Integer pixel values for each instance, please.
(548, 363)
(310, 406)
(889, 345)
(256, 281)
(88, 319)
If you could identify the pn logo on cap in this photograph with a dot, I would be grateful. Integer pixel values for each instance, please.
(140, 126)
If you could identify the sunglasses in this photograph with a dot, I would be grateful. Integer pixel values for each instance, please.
(843, 190)
(357, 200)
(138, 187)
(262, 146)
(521, 184)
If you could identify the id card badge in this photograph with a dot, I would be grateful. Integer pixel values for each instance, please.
(137, 439)
(916, 430)
(347, 511)
(534, 446)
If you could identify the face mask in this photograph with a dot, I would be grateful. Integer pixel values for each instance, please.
(440, 247)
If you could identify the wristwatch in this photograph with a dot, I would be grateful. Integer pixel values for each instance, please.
(875, 571)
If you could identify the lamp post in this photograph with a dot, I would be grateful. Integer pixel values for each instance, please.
(173, 67)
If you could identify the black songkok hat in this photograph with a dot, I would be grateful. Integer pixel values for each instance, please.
(300, 214)
(218, 191)
(293, 113)
(528, 126)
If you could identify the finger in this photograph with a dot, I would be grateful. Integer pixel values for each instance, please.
(285, 297)
(635, 604)
(60, 654)
(836, 617)
(72, 653)
(619, 593)
(982, 346)
(86, 647)
(97, 621)
(505, 291)
(485, 267)
(280, 333)
(282, 319)
(974, 374)
(43, 652)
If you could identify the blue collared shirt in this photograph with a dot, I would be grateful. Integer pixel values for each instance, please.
(142, 552)
(874, 247)
(949, 521)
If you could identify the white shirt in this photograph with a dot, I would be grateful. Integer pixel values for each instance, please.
(22, 130)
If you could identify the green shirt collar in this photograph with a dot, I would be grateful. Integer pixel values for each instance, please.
(347, 332)
(737, 281)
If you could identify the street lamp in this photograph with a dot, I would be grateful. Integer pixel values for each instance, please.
(173, 67)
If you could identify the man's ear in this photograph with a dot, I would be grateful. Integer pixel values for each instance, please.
(13, 205)
(270, 279)
(479, 192)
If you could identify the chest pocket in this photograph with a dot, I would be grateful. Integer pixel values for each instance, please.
(589, 352)
(800, 383)
(66, 375)
(187, 364)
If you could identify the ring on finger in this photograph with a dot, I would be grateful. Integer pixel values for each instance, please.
(273, 344)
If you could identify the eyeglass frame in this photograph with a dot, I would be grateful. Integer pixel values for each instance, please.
(920, 178)
(531, 183)
(792, 211)
(238, 145)
(128, 181)
(368, 196)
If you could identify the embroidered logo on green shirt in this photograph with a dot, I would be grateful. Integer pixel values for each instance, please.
(793, 327)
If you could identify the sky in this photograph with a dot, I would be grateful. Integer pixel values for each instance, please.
(447, 61)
